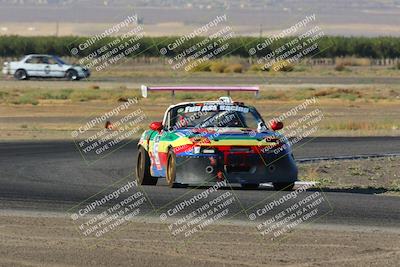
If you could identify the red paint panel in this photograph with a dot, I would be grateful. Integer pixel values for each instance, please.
(163, 158)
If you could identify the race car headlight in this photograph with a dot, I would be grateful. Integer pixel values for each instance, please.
(200, 150)
(196, 150)
(208, 151)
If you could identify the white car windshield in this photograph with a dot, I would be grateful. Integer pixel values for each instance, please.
(59, 60)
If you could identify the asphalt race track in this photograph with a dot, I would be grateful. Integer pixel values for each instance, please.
(52, 176)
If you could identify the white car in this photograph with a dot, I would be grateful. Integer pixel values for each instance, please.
(44, 66)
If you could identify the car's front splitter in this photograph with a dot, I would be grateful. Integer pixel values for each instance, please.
(252, 168)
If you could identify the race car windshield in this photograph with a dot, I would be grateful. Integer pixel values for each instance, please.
(220, 116)
(59, 60)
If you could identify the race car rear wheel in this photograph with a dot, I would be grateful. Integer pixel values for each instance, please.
(21, 75)
(143, 175)
(250, 186)
(283, 186)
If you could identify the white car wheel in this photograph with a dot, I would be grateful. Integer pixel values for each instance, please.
(72, 75)
(21, 75)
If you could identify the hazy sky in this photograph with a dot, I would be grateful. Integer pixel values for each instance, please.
(344, 17)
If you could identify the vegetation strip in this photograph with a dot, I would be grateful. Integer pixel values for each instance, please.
(329, 46)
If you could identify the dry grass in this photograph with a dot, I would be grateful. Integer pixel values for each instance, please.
(312, 173)
(159, 67)
(352, 61)
(340, 67)
(282, 65)
(218, 66)
(351, 125)
(382, 173)
(84, 92)
(234, 68)
(353, 111)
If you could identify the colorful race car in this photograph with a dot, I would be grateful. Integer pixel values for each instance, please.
(200, 143)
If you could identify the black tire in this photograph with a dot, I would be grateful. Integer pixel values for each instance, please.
(72, 75)
(21, 75)
(171, 171)
(250, 186)
(283, 186)
(143, 175)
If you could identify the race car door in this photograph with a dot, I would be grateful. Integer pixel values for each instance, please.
(52, 68)
(34, 66)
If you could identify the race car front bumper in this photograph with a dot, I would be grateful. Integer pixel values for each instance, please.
(84, 73)
(250, 168)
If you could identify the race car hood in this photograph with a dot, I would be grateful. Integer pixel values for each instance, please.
(230, 137)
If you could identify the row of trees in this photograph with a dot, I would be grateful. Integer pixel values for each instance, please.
(328, 46)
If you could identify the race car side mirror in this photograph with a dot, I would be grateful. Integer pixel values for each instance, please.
(276, 125)
(156, 126)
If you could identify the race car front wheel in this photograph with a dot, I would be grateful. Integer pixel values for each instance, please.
(72, 75)
(283, 186)
(21, 75)
(171, 171)
(143, 169)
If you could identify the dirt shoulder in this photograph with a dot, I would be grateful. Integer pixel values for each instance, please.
(54, 241)
(376, 175)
